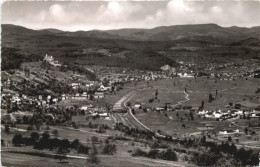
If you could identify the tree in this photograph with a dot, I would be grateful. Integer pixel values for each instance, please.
(210, 98)
(61, 154)
(233, 149)
(229, 138)
(237, 140)
(156, 92)
(107, 141)
(83, 149)
(55, 132)
(109, 149)
(35, 136)
(45, 135)
(242, 155)
(17, 140)
(133, 111)
(64, 144)
(30, 127)
(246, 131)
(169, 155)
(128, 104)
(7, 129)
(75, 144)
(2, 143)
(202, 104)
(203, 139)
(94, 139)
(93, 157)
(183, 125)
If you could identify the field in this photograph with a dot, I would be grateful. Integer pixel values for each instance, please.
(29, 157)
(122, 160)
(171, 91)
(199, 90)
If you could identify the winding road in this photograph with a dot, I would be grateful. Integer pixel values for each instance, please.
(122, 103)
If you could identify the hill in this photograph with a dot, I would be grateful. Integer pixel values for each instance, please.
(132, 48)
(184, 31)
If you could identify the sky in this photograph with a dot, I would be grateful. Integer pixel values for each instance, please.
(89, 15)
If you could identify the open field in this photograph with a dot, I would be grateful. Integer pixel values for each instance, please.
(29, 157)
(122, 160)
(199, 90)
(172, 91)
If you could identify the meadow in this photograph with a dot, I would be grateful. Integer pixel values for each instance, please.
(171, 91)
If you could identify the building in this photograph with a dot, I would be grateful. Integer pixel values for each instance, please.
(99, 95)
(51, 60)
(79, 97)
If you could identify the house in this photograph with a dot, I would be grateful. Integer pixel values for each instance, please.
(99, 95)
(90, 84)
(86, 107)
(137, 105)
(217, 114)
(79, 97)
(226, 132)
(185, 75)
(84, 94)
(16, 99)
(103, 88)
(75, 85)
(55, 100)
(202, 112)
(64, 97)
(103, 115)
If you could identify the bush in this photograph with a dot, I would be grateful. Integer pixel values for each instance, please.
(139, 152)
(109, 149)
(93, 158)
(7, 129)
(155, 145)
(82, 149)
(169, 155)
(247, 157)
(35, 136)
(153, 154)
(17, 140)
(94, 139)
(205, 159)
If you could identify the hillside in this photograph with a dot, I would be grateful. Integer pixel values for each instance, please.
(161, 33)
(184, 31)
(129, 47)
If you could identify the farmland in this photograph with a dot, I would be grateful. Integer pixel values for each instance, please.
(172, 91)
(110, 99)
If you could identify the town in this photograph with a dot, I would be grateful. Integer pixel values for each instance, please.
(130, 84)
(73, 100)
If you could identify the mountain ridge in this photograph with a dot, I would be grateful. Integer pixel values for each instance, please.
(160, 33)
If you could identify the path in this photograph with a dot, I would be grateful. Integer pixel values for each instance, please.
(128, 97)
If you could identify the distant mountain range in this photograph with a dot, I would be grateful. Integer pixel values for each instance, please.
(207, 32)
(132, 48)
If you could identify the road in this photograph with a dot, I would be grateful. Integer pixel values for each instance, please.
(123, 103)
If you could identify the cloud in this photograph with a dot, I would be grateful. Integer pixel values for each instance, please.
(129, 14)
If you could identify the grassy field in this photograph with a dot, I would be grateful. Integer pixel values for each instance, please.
(29, 157)
(122, 160)
(172, 91)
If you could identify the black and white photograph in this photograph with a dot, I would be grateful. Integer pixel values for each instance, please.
(130, 83)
